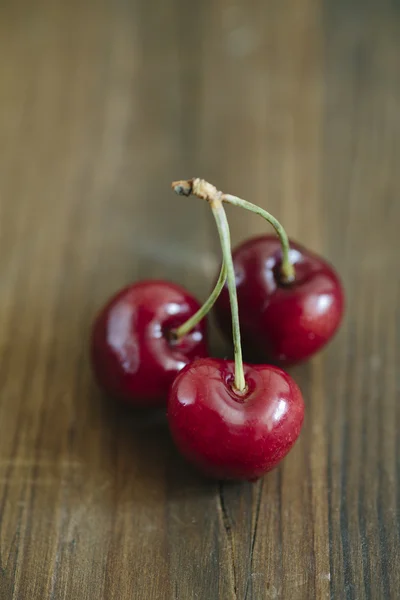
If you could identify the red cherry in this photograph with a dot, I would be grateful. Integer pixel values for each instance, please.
(287, 322)
(230, 435)
(133, 356)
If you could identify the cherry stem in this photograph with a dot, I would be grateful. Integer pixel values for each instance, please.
(287, 267)
(188, 325)
(207, 191)
(225, 238)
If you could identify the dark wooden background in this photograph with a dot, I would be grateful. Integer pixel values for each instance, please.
(292, 104)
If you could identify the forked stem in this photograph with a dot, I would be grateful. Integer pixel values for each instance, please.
(206, 191)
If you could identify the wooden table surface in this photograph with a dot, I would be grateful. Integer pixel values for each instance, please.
(291, 104)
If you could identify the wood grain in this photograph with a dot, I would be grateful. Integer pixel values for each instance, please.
(293, 105)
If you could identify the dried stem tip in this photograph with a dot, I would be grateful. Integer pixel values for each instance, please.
(183, 188)
(198, 187)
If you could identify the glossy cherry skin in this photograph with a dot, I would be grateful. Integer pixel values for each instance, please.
(287, 323)
(133, 357)
(228, 435)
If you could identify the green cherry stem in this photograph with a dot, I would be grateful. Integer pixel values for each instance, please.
(287, 268)
(225, 238)
(188, 325)
(207, 191)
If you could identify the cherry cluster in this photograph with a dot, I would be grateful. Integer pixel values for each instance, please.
(233, 420)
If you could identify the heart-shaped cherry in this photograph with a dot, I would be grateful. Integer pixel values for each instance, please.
(234, 421)
(232, 435)
(288, 322)
(135, 354)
